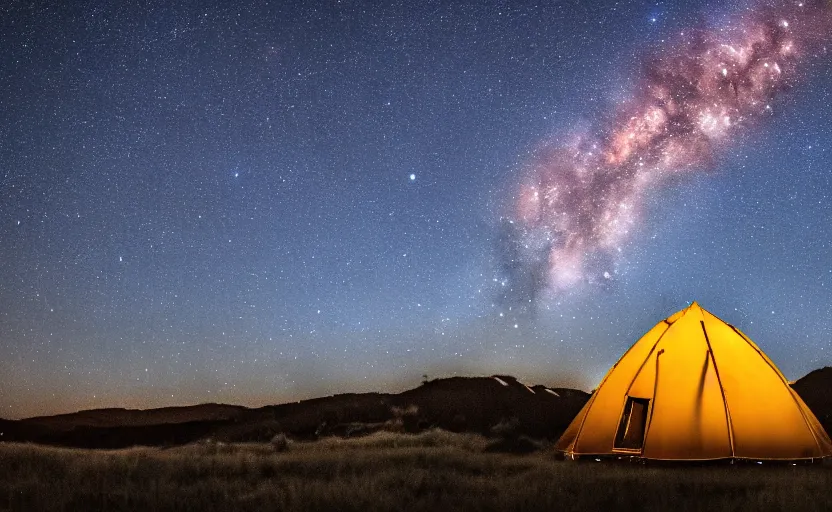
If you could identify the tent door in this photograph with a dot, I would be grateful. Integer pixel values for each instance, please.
(630, 435)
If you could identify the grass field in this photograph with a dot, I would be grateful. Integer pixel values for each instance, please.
(432, 471)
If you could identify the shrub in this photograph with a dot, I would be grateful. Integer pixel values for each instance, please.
(280, 443)
(506, 428)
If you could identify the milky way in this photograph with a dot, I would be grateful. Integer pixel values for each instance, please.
(581, 200)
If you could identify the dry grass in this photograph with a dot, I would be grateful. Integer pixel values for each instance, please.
(432, 471)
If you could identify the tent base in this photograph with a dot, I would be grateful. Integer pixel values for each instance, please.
(727, 461)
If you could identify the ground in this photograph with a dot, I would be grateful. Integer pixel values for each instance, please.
(432, 471)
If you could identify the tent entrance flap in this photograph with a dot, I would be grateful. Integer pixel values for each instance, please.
(631, 429)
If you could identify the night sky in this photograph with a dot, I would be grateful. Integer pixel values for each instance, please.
(263, 202)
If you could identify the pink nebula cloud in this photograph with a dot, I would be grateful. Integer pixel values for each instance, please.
(586, 197)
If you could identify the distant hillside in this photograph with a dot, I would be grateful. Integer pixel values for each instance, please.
(136, 417)
(477, 404)
(816, 390)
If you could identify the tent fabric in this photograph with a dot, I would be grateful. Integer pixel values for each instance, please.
(695, 388)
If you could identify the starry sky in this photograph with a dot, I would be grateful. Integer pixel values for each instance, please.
(257, 202)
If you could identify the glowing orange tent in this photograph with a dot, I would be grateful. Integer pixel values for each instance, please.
(695, 388)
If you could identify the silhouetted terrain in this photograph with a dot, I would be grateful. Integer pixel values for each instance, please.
(816, 390)
(486, 405)
(498, 406)
(135, 418)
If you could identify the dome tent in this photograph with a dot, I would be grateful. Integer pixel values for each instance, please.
(695, 388)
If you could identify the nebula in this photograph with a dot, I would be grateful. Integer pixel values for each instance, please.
(580, 201)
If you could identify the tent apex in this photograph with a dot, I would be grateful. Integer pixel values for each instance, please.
(696, 306)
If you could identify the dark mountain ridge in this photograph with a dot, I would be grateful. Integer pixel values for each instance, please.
(462, 404)
(815, 388)
(120, 417)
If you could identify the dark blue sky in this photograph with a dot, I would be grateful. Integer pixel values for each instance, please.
(264, 202)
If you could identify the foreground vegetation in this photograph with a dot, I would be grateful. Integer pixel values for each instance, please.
(432, 471)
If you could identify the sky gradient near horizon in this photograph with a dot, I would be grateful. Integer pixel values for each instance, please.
(267, 201)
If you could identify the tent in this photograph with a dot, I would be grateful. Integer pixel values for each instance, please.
(695, 388)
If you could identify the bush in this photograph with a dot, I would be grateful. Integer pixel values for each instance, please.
(407, 417)
(280, 443)
(518, 446)
(507, 428)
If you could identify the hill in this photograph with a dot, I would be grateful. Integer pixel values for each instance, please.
(460, 404)
(816, 390)
(118, 417)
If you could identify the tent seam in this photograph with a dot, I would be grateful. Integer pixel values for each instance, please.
(721, 390)
(655, 384)
(652, 405)
(783, 380)
(604, 380)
